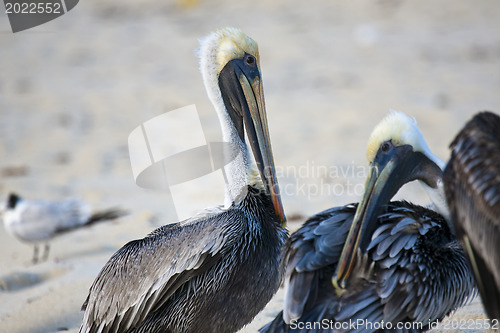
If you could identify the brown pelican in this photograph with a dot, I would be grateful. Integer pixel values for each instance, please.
(213, 272)
(390, 264)
(37, 221)
(472, 186)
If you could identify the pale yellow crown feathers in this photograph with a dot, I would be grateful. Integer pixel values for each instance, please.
(401, 130)
(216, 50)
(233, 44)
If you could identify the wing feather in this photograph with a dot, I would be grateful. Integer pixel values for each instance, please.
(317, 244)
(472, 185)
(145, 273)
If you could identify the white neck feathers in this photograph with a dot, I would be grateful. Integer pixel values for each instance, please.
(237, 171)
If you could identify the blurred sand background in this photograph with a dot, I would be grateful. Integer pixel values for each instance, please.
(73, 89)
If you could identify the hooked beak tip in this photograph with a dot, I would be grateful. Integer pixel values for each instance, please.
(338, 289)
(278, 208)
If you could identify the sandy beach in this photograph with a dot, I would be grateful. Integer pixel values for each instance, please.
(73, 89)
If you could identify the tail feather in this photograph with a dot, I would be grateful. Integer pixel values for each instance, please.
(487, 286)
(105, 215)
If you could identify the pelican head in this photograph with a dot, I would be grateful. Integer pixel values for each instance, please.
(397, 154)
(230, 66)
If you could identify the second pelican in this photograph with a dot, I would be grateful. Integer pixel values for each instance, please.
(394, 266)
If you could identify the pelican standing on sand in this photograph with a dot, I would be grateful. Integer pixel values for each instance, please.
(394, 263)
(38, 221)
(472, 186)
(213, 272)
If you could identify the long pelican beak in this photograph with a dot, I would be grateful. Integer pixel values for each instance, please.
(245, 101)
(389, 171)
(258, 136)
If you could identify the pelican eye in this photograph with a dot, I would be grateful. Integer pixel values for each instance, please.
(386, 146)
(249, 60)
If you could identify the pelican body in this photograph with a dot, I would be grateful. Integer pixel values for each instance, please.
(37, 221)
(414, 270)
(472, 186)
(213, 272)
(377, 261)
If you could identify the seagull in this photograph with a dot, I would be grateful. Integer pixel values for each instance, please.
(215, 271)
(37, 221)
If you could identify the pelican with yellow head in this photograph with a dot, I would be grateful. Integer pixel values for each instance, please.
(378, 261)
(397, 154)
(213, 272)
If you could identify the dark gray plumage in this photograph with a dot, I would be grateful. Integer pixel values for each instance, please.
(472, 186)
(212, 273)
(414, 270)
